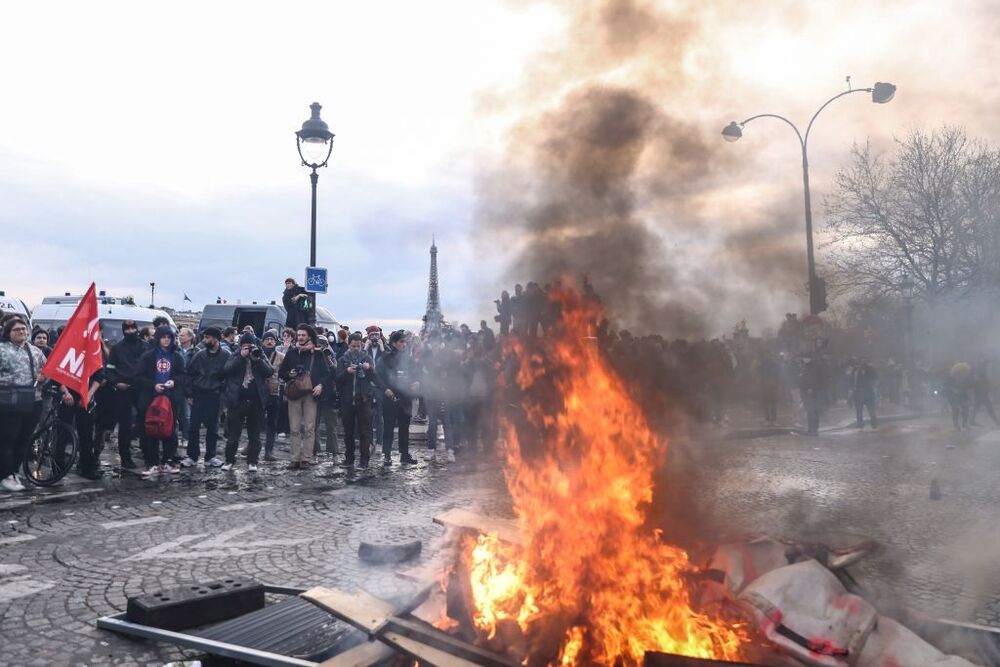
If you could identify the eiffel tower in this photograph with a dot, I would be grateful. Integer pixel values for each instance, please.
(433, 318)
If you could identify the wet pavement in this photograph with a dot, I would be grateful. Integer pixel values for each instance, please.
(78, 551)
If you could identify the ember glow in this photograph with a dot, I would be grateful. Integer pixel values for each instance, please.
(590, 583)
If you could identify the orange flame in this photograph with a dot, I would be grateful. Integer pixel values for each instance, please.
(579, 466)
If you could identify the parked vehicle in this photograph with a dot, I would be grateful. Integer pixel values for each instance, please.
(9, 304)
(55, 311)
(260, 316)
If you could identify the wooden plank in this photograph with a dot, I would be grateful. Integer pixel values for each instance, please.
(362, 610)
(361, 655)
(506, 529)
(428, 634)
(427, 655)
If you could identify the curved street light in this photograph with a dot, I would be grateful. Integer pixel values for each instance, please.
(315, 144)
(881, 93)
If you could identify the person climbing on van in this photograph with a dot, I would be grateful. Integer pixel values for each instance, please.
(299, 304)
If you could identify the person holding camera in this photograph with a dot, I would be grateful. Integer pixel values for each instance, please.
(245, 395)
(305, 375)
(205, 374)
(355, 378)
(399, 377)
(269, 344)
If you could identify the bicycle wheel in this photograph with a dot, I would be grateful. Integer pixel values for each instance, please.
(51, 455)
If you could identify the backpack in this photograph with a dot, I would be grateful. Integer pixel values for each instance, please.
(160, 418)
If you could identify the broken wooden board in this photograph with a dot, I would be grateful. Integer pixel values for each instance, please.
(362, 655)
(427, 655)
(505, 529)
(360, 609)
(431, 636)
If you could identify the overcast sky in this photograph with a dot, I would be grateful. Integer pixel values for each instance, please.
(154, 141)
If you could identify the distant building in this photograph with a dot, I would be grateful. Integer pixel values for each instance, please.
(433, 318)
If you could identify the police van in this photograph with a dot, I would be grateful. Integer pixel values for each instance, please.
(9, 304)
(260, 316)
(55, 311)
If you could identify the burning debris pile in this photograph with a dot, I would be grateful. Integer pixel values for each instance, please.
(589, 582)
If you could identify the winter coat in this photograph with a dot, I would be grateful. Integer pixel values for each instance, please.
(235, 370)
(123, 359)
(294, 315)
(15, 365)
(206, 371)
(273, 383)
(296, 358)
(352, 384)
(398, 373)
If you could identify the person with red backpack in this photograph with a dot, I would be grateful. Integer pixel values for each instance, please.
(159, 375)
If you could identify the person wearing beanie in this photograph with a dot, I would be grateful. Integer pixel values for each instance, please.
(399, 379)
(120, 371)
(376, 349)
(160, 372)
(205, 373)
(245, 395)
(303, 359)
(273, 409)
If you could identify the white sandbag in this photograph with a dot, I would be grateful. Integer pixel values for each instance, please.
(806, 611)
(893, 645)
(742, 562)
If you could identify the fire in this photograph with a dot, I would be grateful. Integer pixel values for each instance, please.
(579, 465)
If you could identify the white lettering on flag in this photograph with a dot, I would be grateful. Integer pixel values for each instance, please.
(74, 362)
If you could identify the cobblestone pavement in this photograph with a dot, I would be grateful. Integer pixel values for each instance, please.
(78, 552)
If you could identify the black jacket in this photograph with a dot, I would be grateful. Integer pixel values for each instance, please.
(294, 315)
(398, 373)
(145, 379)
(296, 359)
(235, 370)
(353, 385)
(123, 359)
(206, 371)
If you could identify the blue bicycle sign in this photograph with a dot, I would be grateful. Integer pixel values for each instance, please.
(316, 280)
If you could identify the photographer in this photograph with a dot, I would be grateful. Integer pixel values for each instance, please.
(355, 375)
(273, 409)
(246, 394)
(305, 374)
(205, 374)
(398, 376)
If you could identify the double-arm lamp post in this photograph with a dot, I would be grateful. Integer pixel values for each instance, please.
(881, 93)
(315, 143)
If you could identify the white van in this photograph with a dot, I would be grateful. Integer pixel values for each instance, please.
(9, 304)
(55, 311)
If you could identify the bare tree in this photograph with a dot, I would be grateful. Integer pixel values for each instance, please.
(931, 210)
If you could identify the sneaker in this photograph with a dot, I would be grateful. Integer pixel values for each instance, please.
(216, 462)
(407, 459)
(227, 466)
(269, 458)
(172, 468)
(251, 467)
(151, 471)
(187, 462)
(387, 460)
(11, 484)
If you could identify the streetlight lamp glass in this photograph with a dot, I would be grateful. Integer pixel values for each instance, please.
(314, 151)
(732, 132)
(883, 92)
(314, 138)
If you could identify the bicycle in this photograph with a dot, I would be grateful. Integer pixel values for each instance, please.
(54, 444)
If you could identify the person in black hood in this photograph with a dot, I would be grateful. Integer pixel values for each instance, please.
(160, 371)
(120, 370)
(205, 376)
(245, 394)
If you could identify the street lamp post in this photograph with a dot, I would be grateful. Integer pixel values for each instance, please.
(315, 144)
(881, 93)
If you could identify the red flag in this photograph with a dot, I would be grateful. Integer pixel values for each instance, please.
(77, 354)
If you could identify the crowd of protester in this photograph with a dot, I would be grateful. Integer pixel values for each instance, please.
(316, 386)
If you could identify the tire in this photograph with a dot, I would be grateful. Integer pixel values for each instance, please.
(51, 455)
